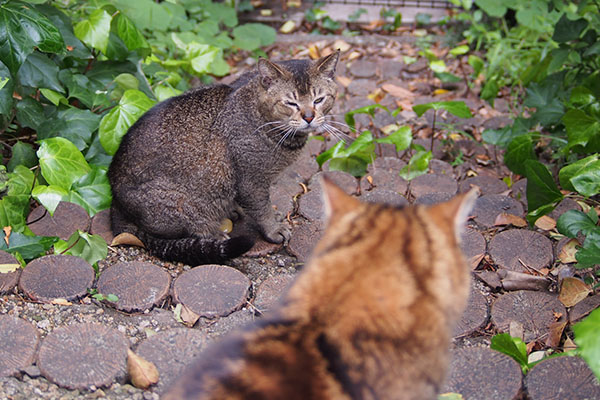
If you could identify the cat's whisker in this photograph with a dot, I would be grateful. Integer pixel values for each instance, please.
(330, 130)
(281, 124)
(343, 124)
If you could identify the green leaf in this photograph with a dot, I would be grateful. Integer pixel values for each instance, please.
(589, 255)
(356, 157)
(542, 192)
(566, 30)
(38, 71)
(95, 30)
(493, 8)
(30, 113)
(572, 222)
(489, 91)
(330, 153)
(370, 110)
(92, 248)
(112, 298)
(459, 50)
(447, 77)
(61, 162)
(354, 165)
(23, 28)
(115, 124)
(29, 247)
(549, 108)
(6, 92)
(401, 138)
(581, 176)
(581, 127)
(92, 191)
(127, 81)
(146, 14)
(457, 108)
(519, 150)
(418, 165)
(131, 36)
(513, 347)
(54, 97)
(22, 154)
(14, 206)
(49, 196)
(437, 66)
(588, 340)
(252, 36)
(74, 124)
(476, 63)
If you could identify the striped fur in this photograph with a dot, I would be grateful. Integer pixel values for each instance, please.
(370, 317)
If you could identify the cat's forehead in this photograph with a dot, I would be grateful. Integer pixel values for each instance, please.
(300, 72)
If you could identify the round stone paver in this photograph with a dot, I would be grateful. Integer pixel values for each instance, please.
(363, 69)
(83, 355)
(432, 183)
(304, 239)
(562, 378)
(67, 218)
(488, 207)
(535, 311)
(56, 277)
(486, 185)
(18, 344)
(310, 205)
(212, 290)
(344, 180)
(9, 280)
(271, 290)
(479, 373)
(171, 351)
(101, 226)
(384, 175)
(474, 316)
(430, 199)
(473, 246)
(138, 285)
(384, 196)
(515, 248)
(361, 87)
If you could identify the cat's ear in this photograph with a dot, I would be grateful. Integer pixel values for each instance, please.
(269, 72)
(326, 65)
(458, 210)
(336, 201)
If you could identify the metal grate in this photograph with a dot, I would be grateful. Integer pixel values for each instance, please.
(394, 3)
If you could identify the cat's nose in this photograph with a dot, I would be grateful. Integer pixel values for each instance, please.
(308, 116)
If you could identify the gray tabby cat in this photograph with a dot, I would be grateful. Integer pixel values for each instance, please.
(212, 153)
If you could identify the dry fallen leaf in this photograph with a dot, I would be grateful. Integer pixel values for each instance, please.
(475, 260)
(344, 81)
(398, 91)
(188, 317)
(128, 239)
(61, 302)
(509, 219)
(569, 344)
(555, 331)
(7, 230)
(572, 291)
(313, 52)
(266, 12)
(376, 96)
(567, 252)
(545, 223)
(143, 373)
(440, 91)
(373, 25)
(341, 45)
(287, 27)
(353, 56)
(6, 268)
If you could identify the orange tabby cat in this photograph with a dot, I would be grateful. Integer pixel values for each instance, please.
(370, 317)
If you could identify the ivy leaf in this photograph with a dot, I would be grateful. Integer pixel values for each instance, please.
(370, 110)
(581, 127)
(356, 157)
(131, 36)
(330, 153)
(115, 124)
(22, 154)
(542, 192)
(588, 340)
(54, 97)
(14, 206)
(492, 8)
(569, 171)
(513, 347)
(95, 31)
(401, 138)
(519, 150)
(92, 191)
(418, 165)
(566, 30)
(457, 108)
(39, 71)
(61, 162)
(574, 221)
(30, 113)
(29, 247)
(49, 196)
(589, 255)
(6, 92)
(23, 29)
(92, 248)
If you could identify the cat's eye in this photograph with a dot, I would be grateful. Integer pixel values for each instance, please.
(292, 104)
(319, 100)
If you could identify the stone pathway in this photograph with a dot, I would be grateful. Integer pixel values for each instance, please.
(56, 342)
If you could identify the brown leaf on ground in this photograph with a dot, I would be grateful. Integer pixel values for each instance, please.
(61, 302)
(572, 291)
(555, 331)
(569, 344)
(188, 316)
(143, 373)
(567, 252)
(341, 46)
(313, 52)
(6, 268)
(545, 223)
(376, 96)
(510, 219)
(7, 230)
(127, 239)
(344, 81)
(398, 91)
(373, 25)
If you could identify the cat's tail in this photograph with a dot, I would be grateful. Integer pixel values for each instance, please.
(196, 250)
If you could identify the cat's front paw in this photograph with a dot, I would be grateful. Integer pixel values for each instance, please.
(277, 233)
